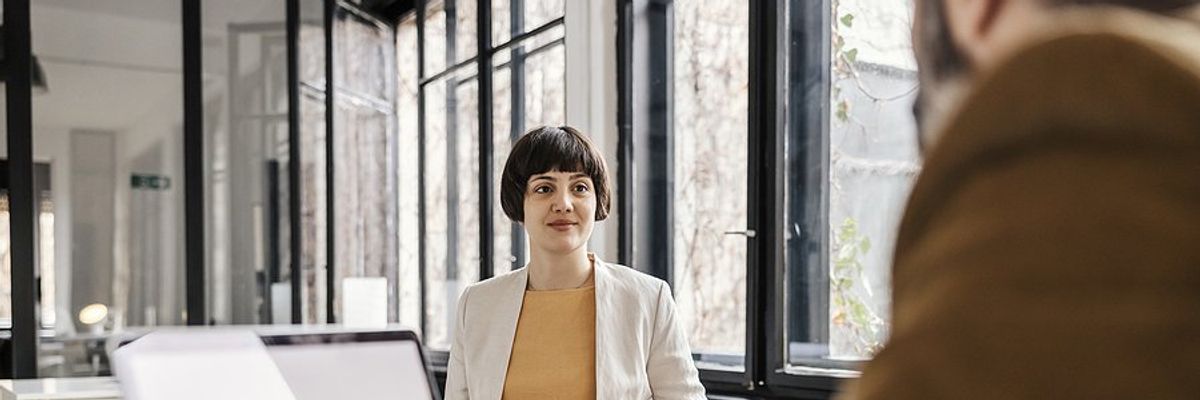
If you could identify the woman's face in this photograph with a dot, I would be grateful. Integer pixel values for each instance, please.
(560, 211)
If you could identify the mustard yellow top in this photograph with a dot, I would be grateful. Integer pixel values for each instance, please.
(554, 350)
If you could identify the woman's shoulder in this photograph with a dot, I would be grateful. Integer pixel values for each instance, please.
(626, 278)
(502, 284)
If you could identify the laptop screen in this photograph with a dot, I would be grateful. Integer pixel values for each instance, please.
(360, 365)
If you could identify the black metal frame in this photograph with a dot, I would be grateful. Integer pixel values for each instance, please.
(768, 282)
(482, 60)
(330, 7)
(193, 164)
(293, 114)
(17, 52)
(781, 106)
(765, 188)
(487, 250)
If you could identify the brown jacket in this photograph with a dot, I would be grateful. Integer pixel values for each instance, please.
(1051, 246)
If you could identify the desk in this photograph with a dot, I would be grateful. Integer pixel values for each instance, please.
(98, 388)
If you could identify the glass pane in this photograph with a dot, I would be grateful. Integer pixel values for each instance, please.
(710, 193)
(530, 14)
(871, 168)
(107, 133)
(507, 236)
(538, 66)
(409, 173)
(545, 86)
(840, 311)
(450, 34)
(451, 198)
(364, 171)
(366, 48)
(44, 220)
(246, 161)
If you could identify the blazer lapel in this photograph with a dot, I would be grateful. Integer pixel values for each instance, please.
(602, 279)
(501, 330)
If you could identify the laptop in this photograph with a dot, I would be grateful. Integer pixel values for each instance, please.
(274, 363)
(353, 365)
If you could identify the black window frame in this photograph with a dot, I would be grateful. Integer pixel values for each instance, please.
(788, 101)
(482, 60)
(789, 53)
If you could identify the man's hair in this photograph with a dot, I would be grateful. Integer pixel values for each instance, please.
(546, 149)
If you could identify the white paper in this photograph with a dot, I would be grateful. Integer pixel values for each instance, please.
(364, 302)
(281, 303)
(199, 365)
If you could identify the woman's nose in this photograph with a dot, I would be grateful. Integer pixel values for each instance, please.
(562, 203)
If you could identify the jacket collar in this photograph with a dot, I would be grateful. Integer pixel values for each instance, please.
(508, 310)
(604, 331)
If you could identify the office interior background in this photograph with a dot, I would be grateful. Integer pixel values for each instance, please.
(229, 162)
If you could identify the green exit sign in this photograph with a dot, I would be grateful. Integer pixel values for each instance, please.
(150, 182)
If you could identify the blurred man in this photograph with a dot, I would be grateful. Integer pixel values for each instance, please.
(1051, 246)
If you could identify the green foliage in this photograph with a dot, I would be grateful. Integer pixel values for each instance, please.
(848, 20)
(852, 55)
(850, 312)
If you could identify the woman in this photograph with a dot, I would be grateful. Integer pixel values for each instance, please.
(568, 325)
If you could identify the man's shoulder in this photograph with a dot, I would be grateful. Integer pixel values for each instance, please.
(1098, 86)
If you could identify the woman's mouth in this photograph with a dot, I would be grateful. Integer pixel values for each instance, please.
(562, 225)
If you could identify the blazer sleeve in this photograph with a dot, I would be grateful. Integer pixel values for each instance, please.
(456, 373)
(670, 369)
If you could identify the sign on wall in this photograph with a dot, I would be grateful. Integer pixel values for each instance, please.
(150, 182)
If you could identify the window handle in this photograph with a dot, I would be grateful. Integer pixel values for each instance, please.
(747, 233)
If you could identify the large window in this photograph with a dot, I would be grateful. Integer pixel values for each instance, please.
(774, 142)
(519, 82)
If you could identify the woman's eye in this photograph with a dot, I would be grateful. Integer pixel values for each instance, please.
(542, 189)
(581, 188)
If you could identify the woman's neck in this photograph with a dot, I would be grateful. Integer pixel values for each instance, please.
(559, 271)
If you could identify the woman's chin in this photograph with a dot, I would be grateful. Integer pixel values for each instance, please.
(562, 246)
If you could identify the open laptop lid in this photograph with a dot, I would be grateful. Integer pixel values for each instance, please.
(353, 365)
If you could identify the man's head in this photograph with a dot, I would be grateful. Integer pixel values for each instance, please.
(953, 39)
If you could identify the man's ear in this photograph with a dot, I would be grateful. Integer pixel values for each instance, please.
(972, 22)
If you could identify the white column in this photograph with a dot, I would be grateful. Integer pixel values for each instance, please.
(591, 80)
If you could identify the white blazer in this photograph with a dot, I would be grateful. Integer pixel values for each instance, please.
(641, 353)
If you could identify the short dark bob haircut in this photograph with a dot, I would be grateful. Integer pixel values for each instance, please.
(546, 149)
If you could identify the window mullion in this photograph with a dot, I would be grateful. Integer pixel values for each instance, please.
(764, 315)
(486, 189)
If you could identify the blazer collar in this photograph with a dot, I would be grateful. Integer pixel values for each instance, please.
(602, 278)
(504, 330)
(508, 310)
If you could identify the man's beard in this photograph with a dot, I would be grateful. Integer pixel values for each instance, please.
(943, 69)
